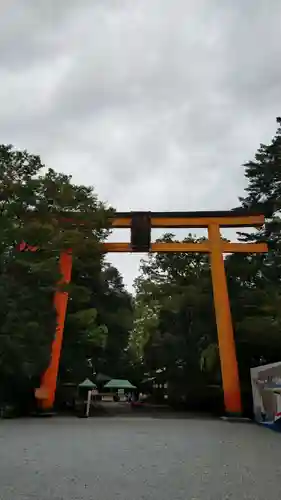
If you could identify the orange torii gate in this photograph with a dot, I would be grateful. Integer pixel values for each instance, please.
(140, 224)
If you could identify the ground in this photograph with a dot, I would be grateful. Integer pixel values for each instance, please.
(134, 458)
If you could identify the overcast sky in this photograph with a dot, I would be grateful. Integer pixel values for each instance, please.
(156, 103)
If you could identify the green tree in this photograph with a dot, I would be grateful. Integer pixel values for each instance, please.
(40, 206)
(255, 280)
(174, 293)
(99, 296)
(174, 325)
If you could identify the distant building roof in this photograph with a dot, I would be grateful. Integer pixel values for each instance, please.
(116, 383)
(87, 384)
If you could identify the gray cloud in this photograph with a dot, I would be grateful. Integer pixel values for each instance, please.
(155, 103)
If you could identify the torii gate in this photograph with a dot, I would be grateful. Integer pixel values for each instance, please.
(140, 224)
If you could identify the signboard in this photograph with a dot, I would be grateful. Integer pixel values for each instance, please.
(266, 388)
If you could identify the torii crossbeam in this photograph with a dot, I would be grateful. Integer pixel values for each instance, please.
(215, 246)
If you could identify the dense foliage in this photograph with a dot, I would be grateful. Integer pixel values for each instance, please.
(38, 206)
(174, 325)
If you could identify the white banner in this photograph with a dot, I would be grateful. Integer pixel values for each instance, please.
(266, 387)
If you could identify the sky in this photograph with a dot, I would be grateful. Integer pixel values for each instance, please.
(156, 103)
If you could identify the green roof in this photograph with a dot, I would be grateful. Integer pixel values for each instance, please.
(116, 383)
(87, 384)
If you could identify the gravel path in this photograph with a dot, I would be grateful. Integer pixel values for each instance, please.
(138, 458)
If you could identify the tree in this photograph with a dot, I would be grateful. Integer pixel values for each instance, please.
(48, 210)
(264, 195)
(175, 321)
(263, 192)
(174, 325)
(101, 346)
(116, 311)
(255, 280)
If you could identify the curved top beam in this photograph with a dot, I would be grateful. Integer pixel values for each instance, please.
(224, 218)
